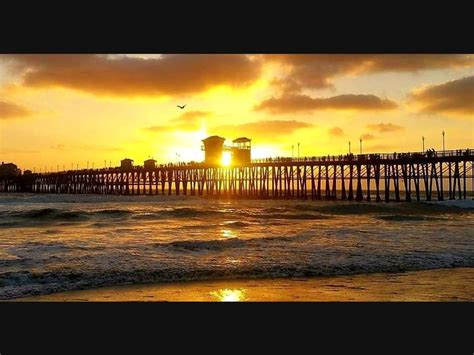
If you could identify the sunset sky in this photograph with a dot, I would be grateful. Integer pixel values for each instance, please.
(70, 109)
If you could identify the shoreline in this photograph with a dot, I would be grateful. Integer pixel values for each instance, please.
(453, 284)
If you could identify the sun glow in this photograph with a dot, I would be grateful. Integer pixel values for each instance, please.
(226, 158)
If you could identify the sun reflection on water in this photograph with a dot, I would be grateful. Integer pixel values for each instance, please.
(227, 233)
(229, 295)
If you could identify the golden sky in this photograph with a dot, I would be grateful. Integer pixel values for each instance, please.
(73, 109)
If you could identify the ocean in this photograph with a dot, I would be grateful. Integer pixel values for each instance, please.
(51, 243)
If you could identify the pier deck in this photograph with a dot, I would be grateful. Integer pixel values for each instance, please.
(371, 177)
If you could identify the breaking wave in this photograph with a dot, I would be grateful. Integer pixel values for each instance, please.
(27, 283)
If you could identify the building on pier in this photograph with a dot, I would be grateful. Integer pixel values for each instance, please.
(241, 151)
(126, 163)
(213, 148)
(149, 164)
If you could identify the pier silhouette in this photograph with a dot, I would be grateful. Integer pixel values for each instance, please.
(371, 177)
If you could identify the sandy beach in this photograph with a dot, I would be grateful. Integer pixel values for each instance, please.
(456, 284)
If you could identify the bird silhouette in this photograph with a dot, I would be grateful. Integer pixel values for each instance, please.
(181, 107)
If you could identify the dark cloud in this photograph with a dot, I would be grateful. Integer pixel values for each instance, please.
(135, 76)
(318, 71)
(336, 132)
(385, 127)
(294, 103)
(192, 73)
(456, 97)
(287, 85)
(11, 110)
(266, 130)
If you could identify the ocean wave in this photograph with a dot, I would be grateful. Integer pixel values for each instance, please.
(45, 214)
(230, 243)
(98, 218)
(26, 283)
(370, 208)
(236, 224)
(202, 245)
(110, 212)
(186, 212)
(309, 216)
(407, 218)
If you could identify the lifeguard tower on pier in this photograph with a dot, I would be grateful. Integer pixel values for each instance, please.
(214, 148)
(241, 151)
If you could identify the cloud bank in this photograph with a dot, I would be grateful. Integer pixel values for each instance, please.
(452, 97)
(135, 76)
(300, 103)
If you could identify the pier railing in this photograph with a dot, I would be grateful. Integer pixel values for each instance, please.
(370, 156)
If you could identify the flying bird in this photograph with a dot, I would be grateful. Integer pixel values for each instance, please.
(181, 107)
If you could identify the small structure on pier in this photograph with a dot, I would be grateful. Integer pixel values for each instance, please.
(241, 151)
(126, 163)
(9, 170)
(149, 164)
(213, 148)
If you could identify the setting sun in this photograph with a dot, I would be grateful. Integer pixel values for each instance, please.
(226, 158)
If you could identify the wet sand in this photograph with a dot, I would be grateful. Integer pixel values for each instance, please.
(429, 285)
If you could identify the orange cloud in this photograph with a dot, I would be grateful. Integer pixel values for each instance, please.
(452, 97)
(367, 137)
(135, 76)
(10, 110)
(294, 103)
(385, 127)
(318, 70)
(336, 132)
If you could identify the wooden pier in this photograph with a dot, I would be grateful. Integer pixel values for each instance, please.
(370, 177)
